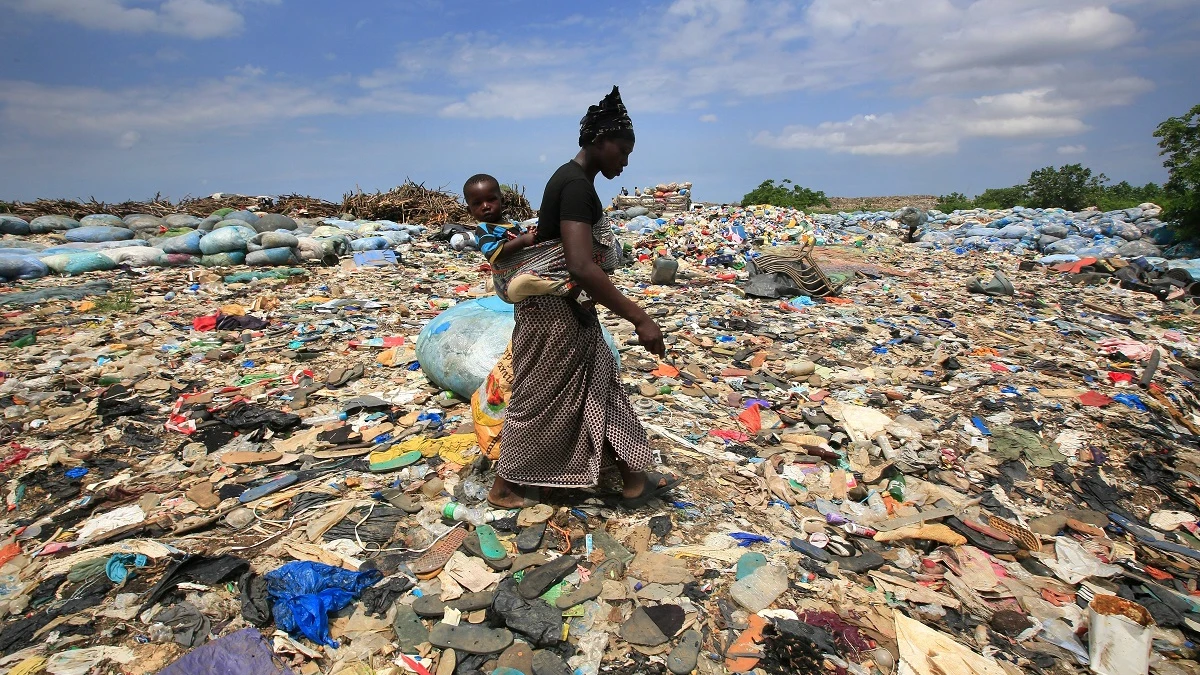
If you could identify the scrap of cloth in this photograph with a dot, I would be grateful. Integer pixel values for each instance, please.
(607, 117)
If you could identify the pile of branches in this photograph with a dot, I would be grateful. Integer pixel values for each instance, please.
(409, 203)
(415, 203)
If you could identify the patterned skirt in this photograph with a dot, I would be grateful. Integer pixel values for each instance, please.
(567, 407)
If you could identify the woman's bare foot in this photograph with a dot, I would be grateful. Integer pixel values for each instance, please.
(506, 495)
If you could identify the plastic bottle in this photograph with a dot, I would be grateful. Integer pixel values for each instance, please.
(323, 419)
(465, 514)
(875, 503)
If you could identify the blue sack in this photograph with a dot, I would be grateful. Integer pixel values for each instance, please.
(304, 593)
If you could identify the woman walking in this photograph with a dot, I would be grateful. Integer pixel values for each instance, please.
(568, 411)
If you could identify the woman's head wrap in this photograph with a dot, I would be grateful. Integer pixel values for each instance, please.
(604, 119)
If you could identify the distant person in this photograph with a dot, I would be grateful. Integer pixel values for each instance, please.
(636, 191)
(569, 414)
(500, 240)
(624, 192)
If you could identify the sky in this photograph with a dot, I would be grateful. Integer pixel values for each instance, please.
(123, 99)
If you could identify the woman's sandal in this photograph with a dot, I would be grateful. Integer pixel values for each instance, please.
(526, 503)
(662, 484)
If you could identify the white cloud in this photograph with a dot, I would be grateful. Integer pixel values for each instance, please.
(196, 19)
(128, 140)
(708, 118)
(1072, 149)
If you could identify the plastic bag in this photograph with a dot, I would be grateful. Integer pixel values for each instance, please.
(272, 257)
(78, 263)
(13, 225)
(22, 267)
(144, 222)
(99, 233)
(304, 593)
(134, 256)
(226, 239)
(48, 224)
(223, 259)
(459, 347)
(489, 402)
(184, 243)
(271, 222)
(101, 219)
(370, 244)
(178, 220)
(265, 240)
(1141, 247)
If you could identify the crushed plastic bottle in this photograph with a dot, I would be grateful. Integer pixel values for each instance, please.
(757, 591)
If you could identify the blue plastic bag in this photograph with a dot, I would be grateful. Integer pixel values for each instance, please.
(304, 593)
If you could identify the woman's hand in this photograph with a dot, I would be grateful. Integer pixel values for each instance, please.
(650, 336)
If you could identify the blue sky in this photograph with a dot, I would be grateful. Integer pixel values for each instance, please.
(120, 99)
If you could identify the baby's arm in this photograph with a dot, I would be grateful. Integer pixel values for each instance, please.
(522, 241)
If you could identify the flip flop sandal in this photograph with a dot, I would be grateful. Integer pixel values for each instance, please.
(682, 659)
(530, 538)
(470, 638)
(337, 377)
(390, 460)
(472, 546)
(662, 484)
(546, 662)
(433, 560)
(1027, 539)
(401, 500)
(348, 450)
(489, 543)
(524, 562)
(809, 550)
(251, 458)
(539, 580)
(517, 659)
(743, 655)
(588, 590)
(612, 569)
(268, 488)
(862, 563)
(978, 539)
(840, 547)
(410, 632)
(433, 607)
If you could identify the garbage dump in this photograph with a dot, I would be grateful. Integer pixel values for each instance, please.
(972, 453)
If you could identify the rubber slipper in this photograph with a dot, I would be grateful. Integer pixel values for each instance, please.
(470, 638)
(648, 493)
(979, 540)
(250, 458)
(809, 550)
(268, 488)
(471, 545)
(410, 632)
(743, 655)
(611, 569)
(433, 607)
(527, 560)
(859, 564)
(336, 377)
(548, 663)
(682, 659)
(640, 629)
(588, 590)
(530, 538)
(401, 500)
(433, 560)
(517, 658)
(392, 460)
(489, 543)
(540, 579)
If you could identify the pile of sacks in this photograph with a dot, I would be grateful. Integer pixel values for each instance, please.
(1129, 233)
(227, 237)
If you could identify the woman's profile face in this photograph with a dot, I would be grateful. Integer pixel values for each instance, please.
(613, 156)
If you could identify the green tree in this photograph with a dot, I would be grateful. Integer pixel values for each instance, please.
(768, 192)
(1071, 187)
(1179, 140)
(955, 201)
(1003, 198)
